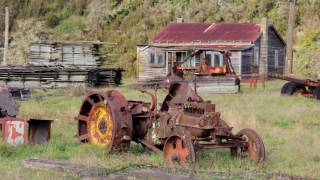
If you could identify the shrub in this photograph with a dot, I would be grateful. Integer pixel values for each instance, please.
(52, 20)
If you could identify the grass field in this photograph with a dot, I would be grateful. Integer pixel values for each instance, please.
(289, 127)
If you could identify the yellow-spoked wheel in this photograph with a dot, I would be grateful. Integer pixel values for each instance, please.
(179, 149)
(101, 126)
(103, 121)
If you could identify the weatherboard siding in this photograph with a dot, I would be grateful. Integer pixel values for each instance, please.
(235, 59)
(145, 71)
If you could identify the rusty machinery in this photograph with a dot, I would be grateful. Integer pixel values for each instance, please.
(182, 125)
(205, 69)
(295, 86)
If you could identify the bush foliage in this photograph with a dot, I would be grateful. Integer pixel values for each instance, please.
(129, 23)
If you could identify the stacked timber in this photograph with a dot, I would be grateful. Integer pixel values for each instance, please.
(57, 76)
(60, 64)
(81, 54)
(218, 84)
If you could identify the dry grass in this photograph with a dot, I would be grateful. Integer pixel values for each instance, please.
(289, 127)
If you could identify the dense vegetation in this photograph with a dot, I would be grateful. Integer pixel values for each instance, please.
(131, 22)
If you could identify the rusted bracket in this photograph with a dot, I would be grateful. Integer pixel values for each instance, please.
(150, 146)
(153, 104)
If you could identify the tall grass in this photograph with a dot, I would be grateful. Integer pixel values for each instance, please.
(289, 127)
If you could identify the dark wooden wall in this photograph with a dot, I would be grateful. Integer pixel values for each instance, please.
(275, 43)
(247, 60)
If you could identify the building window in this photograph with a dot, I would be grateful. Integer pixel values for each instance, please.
(181, 56)
(157, 59)
(214, 59)
(161, 59)
(152, 58)
(208, 60)
(256, 57)
(217, 61)
(276, 58)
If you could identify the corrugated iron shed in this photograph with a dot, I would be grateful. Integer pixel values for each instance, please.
(206, 33)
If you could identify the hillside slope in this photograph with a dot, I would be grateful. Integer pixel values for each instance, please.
(133, 22)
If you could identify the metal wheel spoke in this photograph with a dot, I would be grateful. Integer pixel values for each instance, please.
(89, 100)
(83, 118)
(83, 137)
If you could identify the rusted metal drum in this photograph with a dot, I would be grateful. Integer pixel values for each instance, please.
(104, 120)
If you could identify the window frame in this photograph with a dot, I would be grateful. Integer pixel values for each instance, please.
(213, 60)
(157, 62)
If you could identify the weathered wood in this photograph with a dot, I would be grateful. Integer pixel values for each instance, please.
(81, 54)
(6, 37)
(275, 44)
(217, 84)
(57, 76)
(291, 23)
(58, 166)
(145, 72)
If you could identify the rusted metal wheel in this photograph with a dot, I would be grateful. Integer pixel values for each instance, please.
(179, 149)
(104, 121)
(291, 88)
(254, 147)
(284, 89)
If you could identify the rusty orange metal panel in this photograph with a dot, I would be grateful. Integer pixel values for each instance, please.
(15, 132)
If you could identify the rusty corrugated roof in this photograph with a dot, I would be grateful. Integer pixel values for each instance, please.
(202, 32)
(211, 47)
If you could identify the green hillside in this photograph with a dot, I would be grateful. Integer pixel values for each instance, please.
(131, 22)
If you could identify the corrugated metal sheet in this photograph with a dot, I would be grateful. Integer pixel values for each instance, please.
(201, 32)
(209, 47)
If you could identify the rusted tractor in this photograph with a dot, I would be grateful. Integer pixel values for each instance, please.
(181, 126)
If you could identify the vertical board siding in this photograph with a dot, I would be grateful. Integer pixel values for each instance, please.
(247, 61)
(275, 43)
(235, 61)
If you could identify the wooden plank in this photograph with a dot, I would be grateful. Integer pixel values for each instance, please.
(59, 166)
(220, 89)
(25, 76)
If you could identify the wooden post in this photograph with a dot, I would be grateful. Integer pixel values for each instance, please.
(264, 48)
(6, 38)
(291, 20)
